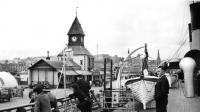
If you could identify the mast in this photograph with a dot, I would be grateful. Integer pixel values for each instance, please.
(97, 52)
(64, 77)
(145, 60)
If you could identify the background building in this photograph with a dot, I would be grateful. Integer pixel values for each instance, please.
(78, 61)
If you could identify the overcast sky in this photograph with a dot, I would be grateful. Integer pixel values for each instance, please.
(33, 27)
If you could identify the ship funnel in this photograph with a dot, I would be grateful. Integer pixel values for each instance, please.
(188, 64)
(195, 25)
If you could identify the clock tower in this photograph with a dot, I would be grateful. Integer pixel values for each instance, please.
(76, 34)
(80, 54)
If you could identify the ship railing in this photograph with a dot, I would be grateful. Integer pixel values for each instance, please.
(121, 99)
(64, 104)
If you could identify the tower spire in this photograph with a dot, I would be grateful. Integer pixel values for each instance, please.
(128, 51)
(158, 58)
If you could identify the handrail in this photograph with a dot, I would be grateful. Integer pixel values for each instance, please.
(16, 107)
(32, 104)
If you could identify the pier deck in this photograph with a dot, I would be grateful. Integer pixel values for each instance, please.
(177, 102)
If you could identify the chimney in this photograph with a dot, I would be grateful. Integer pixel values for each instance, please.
(195, 25)
(47, 58)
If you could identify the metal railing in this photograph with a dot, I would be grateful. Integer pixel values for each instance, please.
(63, 103)
(27, 107)
(117, 100)
(122, 100)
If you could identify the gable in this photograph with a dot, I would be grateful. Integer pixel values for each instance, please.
(41, 64)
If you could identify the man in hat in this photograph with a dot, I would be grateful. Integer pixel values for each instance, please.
(83, 85)
(42, 101)
(162, 89)
(53, 101)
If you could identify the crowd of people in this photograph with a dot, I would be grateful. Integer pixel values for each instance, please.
(46, 102)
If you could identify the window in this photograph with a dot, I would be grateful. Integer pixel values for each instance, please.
(81, 62)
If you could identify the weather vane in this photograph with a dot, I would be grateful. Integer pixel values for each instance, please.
(76, 10)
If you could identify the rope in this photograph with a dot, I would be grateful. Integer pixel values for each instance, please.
(177, 53)
(181, 28)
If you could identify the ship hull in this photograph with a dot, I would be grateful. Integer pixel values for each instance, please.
(143, 90)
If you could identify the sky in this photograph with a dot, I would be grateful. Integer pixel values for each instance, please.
(30, 28)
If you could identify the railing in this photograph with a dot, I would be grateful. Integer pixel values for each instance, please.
(108, 100)
(122, 100)
(27, 107)
(63, 104)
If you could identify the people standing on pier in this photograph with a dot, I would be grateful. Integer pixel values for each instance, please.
(84, 101)
(42, 101)
(162, 89)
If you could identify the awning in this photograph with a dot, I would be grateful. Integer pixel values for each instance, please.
(7, 80)
(77, 72)
(70, 72)
(83, 72)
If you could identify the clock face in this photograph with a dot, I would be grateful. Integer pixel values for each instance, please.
(74, 39)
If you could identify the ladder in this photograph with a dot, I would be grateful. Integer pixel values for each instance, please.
(96, 104)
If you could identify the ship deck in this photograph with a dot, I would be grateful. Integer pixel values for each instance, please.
(177, 102)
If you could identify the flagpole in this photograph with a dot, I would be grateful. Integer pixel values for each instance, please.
(64, 73)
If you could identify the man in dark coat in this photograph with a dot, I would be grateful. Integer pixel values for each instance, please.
(162, 90)
(42, 101)
(53, 101)
(83, 85)
(84, 102)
